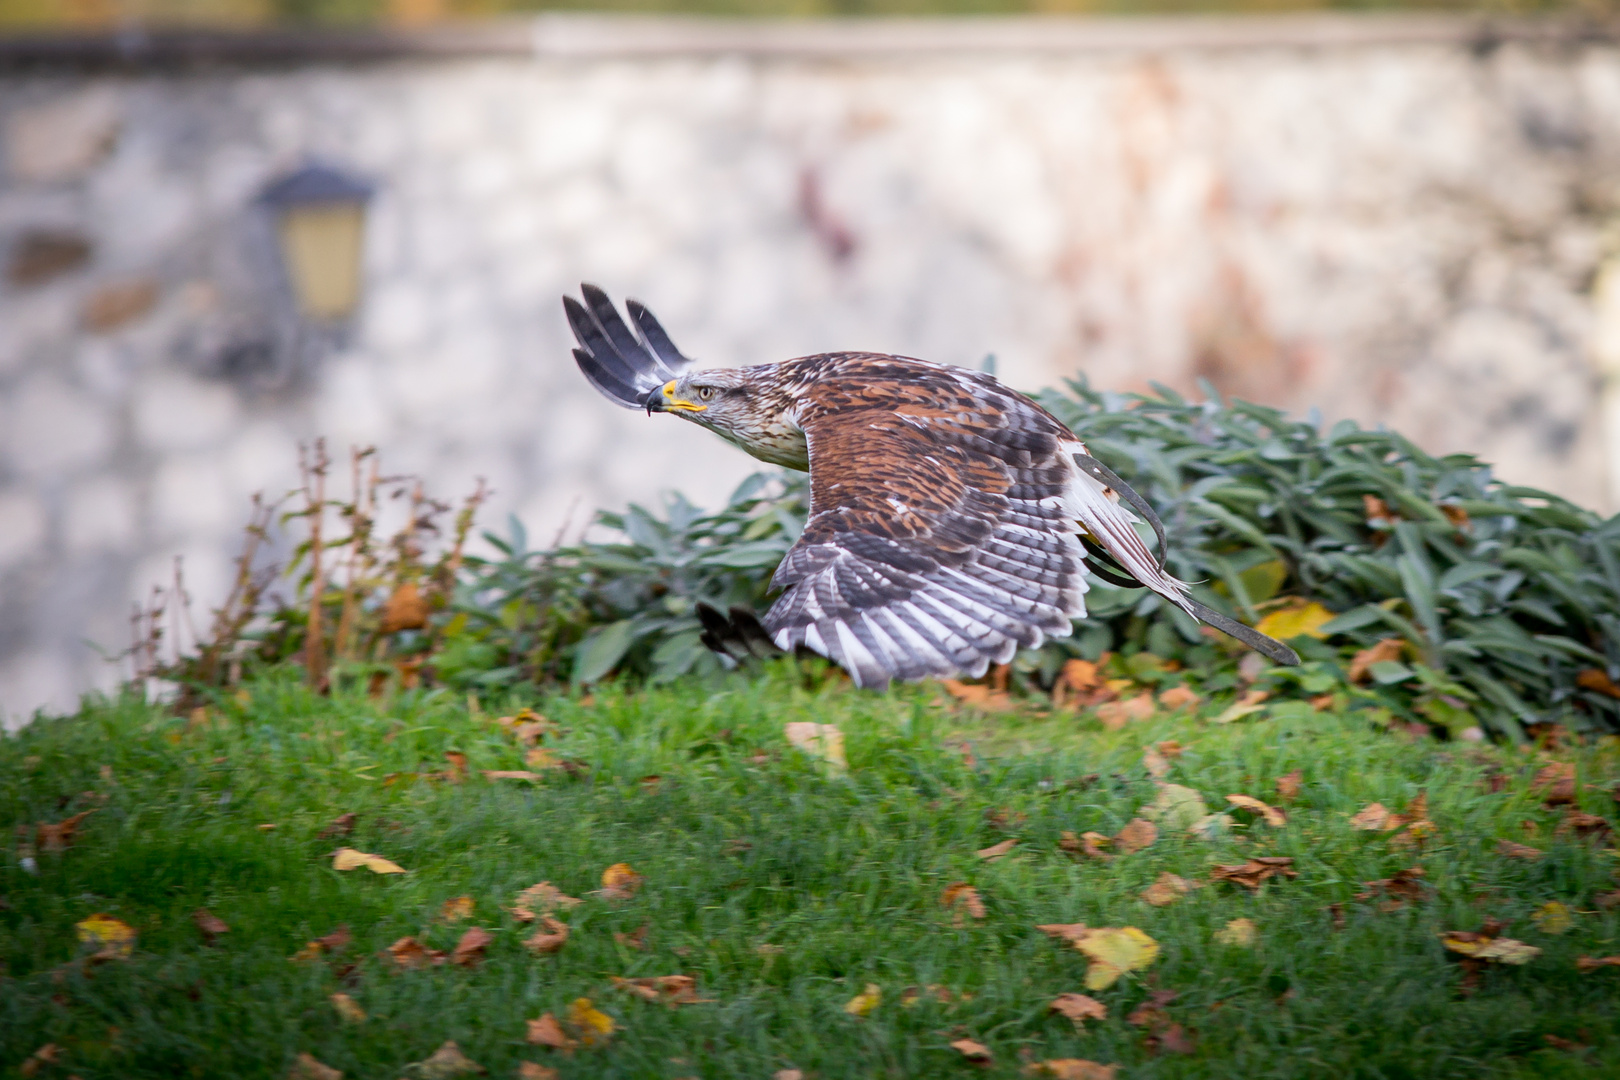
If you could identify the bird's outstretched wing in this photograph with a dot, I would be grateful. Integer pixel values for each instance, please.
(626, 368)
(944, 519)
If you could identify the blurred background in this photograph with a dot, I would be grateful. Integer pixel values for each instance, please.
(229, 227)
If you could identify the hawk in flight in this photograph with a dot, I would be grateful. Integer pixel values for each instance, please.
(952, 521)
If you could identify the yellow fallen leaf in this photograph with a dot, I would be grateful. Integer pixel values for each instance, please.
(823, 741)
(350, 859)
(1176, 808)
(1239, 932)
(1113, 952)
(1302, 619)
(1553, 918)
(864, 1002)
(348, 1008)
(113, 939)
(456, 908)
(1482, 947)
(593, 1025)
(1269, 814)
(620, 882)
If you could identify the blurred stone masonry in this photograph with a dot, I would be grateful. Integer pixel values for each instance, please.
(1400, 221)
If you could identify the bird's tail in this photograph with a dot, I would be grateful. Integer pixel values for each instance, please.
(1118, 555)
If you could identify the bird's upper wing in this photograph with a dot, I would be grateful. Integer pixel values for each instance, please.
(624, 367)
(943, 524)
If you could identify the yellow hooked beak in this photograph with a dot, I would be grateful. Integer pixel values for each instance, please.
(672, 403)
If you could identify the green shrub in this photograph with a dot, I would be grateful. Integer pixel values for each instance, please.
(1503, 596)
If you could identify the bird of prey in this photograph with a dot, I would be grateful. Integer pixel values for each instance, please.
(952, 520)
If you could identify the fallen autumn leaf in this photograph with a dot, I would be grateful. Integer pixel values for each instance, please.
(350, 859)
(1078, 1008)
(550, 938)
(864, 1002)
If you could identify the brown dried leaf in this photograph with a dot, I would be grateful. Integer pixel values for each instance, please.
(1070, 932)
(348, 1008)
(342, 825)
(1288, 786)
(456, 908)
(635, 939)
(406, 609)
(962, 897)
(1071, 1069)
(1167, 890)
(1137, 834)
(60, 836)
(978, 696)
(445, 1062)
(541, 899)
(552, 936)
(620, 882)
(306, 1067)
(1387, 649)
(1509, 849)
(1255, 872)
(1555, 784)
(1405, 885)
(209, 924)
(469, 951)
(513, 774)
(1174, 1039)
(1598, 681)
(529, 1070)
(1090, 844)
(669, 989)
(1592, 963)
(996, 851)
(46, 1055)
(547, 1032)
(407, 952)
(1372, 818)
(975, 1052)
(1078, 1008)
(1156, 764)
(1116, 714)
(1269, 814)
(1179, 697)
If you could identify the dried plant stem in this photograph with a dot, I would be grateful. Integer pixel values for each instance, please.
(362, 512)
(314, 477)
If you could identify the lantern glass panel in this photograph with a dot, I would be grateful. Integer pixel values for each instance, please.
(322, 245)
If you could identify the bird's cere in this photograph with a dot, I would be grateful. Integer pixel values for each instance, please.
(676, 404)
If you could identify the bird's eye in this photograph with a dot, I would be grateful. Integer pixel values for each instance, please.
(705, 393)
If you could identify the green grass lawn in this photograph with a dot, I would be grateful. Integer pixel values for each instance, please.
(745, 842)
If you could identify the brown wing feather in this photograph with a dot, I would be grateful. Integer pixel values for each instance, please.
(937, 540)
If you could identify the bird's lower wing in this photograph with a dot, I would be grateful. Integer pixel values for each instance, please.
(936, 545)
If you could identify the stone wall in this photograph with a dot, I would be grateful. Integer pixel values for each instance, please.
(1399, 228)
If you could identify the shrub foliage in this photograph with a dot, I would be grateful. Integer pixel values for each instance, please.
(1416, 587)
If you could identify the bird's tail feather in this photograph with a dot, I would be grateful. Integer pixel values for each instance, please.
(1111, 527)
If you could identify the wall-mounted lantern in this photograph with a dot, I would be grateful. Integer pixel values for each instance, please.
(320, 226)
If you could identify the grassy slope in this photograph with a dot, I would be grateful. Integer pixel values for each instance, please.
(843, 874)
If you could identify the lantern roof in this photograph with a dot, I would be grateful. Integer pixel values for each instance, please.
(317, 183)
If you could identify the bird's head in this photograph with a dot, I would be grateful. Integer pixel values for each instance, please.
(719, 399)
(745, 405)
